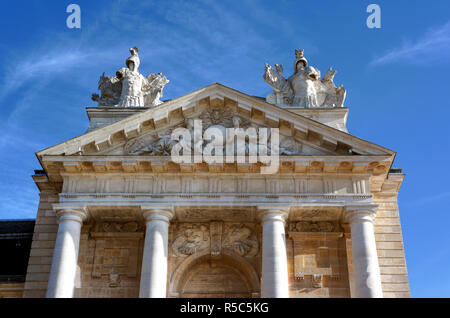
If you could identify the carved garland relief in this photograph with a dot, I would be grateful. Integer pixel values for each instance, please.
(310, 226)
(193, 237)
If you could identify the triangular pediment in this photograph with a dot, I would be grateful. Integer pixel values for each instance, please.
(158, 142)
(146, 133)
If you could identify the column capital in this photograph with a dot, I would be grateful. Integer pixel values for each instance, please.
(360, 213)
(77, 213)
(272, 213)
(157, 213)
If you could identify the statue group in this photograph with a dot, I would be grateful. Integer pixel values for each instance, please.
(304, 88)
(129, 88)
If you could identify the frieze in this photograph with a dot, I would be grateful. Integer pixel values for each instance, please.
(317, 215)
(302, 187)
(201, 215)
(117, 227)
(310, 226)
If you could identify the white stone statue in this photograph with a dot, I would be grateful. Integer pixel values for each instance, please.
(132, 82)
(129, 88)
(304, 88)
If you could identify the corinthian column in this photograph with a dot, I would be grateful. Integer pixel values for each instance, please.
(154, 261)
(367, 279)
(65, 253)
(274, 259)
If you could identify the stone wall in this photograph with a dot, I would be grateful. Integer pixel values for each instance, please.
(317, 265)
(41, 253)
(391, 255)
(11, 290)
(110, 264)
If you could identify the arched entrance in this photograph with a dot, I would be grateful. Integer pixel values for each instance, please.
(203, 275)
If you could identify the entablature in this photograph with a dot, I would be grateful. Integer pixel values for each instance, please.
(312, 211)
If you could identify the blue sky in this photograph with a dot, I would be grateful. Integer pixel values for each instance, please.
(396, 79)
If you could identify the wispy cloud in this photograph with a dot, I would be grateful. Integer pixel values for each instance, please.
(182, 35)
(443, 196)
(41, 67)
(433, 46)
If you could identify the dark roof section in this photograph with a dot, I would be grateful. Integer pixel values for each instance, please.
(15, 245)
(16, 226)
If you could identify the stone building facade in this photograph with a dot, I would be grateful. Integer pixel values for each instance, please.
(119, 218)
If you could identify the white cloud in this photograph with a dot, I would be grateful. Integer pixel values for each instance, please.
(433, 46)
(40, 67)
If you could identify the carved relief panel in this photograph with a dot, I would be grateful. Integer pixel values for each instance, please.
(190, 238)
(117, 250)
(241, 239)
(319, 256)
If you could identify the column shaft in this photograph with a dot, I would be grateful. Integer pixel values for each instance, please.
(154, 261)
(367, 279)
(274, 258)
(65, 255)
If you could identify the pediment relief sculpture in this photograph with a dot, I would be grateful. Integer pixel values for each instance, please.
(304, 88)
(156, 144)
(129, 88)
(160, 143)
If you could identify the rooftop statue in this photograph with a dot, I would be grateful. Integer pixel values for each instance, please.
(129, 88)
(304, 88)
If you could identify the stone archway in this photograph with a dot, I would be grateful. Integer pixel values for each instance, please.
(226, 275)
